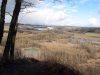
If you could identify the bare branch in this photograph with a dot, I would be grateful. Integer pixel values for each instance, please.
(7, 13)
(26, 4)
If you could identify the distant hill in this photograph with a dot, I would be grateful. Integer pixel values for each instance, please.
(29, 27)
(79, 29)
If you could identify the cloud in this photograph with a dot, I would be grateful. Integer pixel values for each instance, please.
(43, 16)
(48, 14)
(84, 1)
(93, 20)
(53, 14)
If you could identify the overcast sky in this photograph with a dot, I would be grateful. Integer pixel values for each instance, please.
(78, 13)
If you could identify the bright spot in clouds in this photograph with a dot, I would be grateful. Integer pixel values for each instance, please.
(93, 21)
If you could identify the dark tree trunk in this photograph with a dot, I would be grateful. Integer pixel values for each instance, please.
(13, 43)
(9, 48)
(2, 18)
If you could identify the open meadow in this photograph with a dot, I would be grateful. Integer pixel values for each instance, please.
(79, 50)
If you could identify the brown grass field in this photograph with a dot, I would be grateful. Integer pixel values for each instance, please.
(81, 51)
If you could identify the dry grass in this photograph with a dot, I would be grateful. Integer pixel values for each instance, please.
(63, 48)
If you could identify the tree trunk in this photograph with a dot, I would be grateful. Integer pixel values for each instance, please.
(13, 43)
(9, 48)
(2, 18)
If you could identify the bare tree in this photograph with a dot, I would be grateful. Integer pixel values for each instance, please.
(3, 12)
(2, 18)
(10, 44)
(9, 48)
